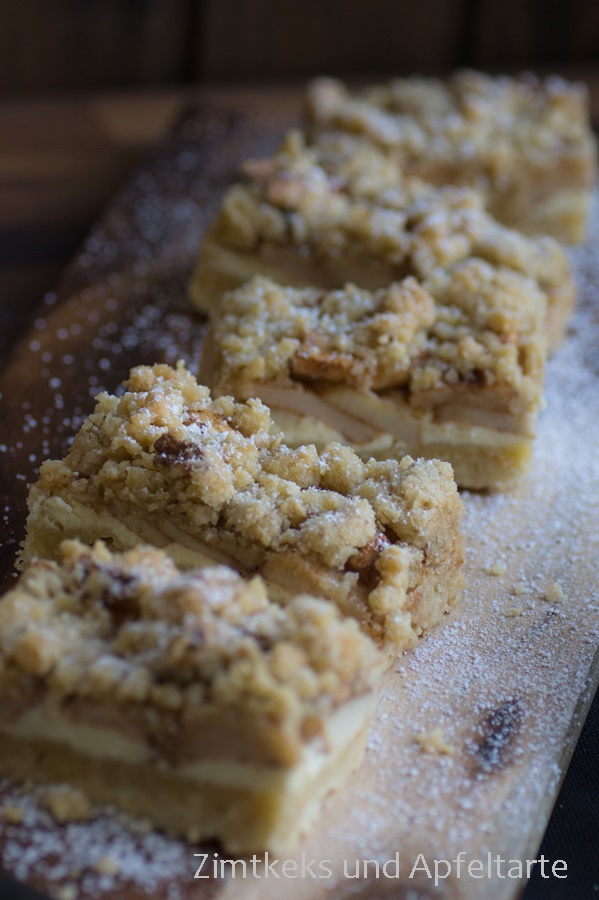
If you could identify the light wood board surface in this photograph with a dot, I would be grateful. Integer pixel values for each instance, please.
(507, 678)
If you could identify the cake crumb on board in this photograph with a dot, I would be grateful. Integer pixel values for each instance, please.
(554, 592)
(434, 742)
(12, 813)
(66, 892)
(106, 865)
(66, 803)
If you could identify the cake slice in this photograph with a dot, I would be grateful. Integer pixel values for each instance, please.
(452, 370)
(207, 481)
(525, 142)
(190, 699)
(325, 216)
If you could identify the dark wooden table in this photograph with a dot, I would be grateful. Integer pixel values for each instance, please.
(60, 162)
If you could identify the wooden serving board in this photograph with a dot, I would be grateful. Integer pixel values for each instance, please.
(504, 682)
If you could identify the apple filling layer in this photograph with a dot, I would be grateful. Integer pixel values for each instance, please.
(207, 481)
(526, 143)
(190, 698)
(455, 371)
(335, 214)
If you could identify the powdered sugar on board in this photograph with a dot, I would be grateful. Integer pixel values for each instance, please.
(474, 727)
(88, 858)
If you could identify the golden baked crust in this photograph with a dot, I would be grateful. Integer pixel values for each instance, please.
(343, 212)
(191, 699)
(207, 480)
(521, 140)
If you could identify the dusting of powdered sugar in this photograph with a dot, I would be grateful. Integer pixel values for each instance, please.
(94, 857)
(504, 679)
(508, 677)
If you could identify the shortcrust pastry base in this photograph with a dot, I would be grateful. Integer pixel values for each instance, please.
(245, 817)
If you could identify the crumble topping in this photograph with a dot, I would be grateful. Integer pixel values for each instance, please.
(132, 629)
(166, 464)
(317, 199)
(477, 325)
(165, 446)
(340, 165)
(472, 119)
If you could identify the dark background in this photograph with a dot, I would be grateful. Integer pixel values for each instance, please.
(55, 48)
(58, 45)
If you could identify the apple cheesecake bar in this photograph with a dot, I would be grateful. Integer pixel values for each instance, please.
(453, 370)
(208, 482)
(188, 698)
(331, 215)
(525, 142)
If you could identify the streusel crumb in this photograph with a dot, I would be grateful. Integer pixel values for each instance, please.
(476, 326)
(497, 122)
(316, 198)
(554, 592)
(167, 461)
(166, 445)
(133, 630)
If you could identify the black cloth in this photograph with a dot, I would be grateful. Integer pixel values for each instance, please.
(573, 830)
